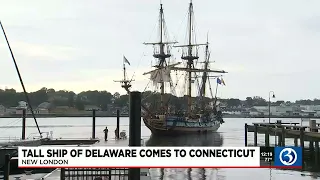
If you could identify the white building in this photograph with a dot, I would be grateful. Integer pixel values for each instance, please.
(91, 107)
(264, 110)
(282, 110)
(308, 113)
(22, 105)
(233, 111)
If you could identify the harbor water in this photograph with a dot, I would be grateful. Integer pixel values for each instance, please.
(231, 133)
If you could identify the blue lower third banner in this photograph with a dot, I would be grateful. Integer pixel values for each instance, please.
(288, 157)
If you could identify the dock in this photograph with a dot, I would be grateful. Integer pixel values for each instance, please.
(282, 132)
(91, 173)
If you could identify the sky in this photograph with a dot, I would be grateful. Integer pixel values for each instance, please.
(78, 45)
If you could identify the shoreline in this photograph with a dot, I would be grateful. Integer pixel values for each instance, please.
(108, 115)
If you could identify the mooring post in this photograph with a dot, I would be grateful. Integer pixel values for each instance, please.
(296, 142)
(93, 123)
(118, 124)
(6, 168)
(246, 134)
(302, 141)
(24, 115)
(62, 174)
(283, 136)
(255, 134)
(134, 128)
(266, 137)
(313, 128)
(316, 144)
(279, 134)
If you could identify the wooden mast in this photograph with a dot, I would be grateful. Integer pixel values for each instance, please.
(190, 57)
(161, 55)
(205, 76)
(125, 83)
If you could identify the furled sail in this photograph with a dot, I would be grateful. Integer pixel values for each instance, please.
(160, 75)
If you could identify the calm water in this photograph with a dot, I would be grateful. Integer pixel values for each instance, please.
(230, 134)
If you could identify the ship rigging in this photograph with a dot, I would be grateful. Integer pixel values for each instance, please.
(199, 116)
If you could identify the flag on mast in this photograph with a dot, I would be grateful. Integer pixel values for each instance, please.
(125, 60)
(220, 81)
(223, 81)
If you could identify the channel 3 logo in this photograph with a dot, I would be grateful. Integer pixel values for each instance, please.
(288, 156)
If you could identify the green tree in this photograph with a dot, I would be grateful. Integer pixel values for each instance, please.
(233, 102)
(79, 103)
(71, 96)
(249, 101)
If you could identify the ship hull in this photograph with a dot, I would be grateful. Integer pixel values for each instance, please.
(168, 129)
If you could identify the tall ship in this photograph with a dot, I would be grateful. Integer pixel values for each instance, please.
(198, 113)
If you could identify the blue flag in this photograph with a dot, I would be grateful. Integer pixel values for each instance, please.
(218, 81)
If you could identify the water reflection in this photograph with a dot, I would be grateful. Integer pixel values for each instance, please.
(210, 139)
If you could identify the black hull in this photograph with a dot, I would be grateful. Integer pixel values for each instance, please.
(176, 131)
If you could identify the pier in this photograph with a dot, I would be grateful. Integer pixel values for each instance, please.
(282, 132)
(93, 173)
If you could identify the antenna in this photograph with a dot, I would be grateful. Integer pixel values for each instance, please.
(20, 78)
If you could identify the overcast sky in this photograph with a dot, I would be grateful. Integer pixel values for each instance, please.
(79, 44)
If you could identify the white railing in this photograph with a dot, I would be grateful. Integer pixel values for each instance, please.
(10, 138)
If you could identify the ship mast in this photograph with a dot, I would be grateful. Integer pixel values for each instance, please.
(190, 57)
(205, 76)
(161, 55)
(125, 83)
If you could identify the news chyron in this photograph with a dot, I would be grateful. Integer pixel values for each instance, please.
(281, 157)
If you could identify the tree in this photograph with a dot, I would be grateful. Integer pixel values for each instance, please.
(71, 99)
(122, 101)
(279, 102)
(116, 95)
(233, 102)
(79, 104)
(259, 101)
(249, 101)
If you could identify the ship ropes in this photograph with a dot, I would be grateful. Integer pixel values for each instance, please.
(176, 98)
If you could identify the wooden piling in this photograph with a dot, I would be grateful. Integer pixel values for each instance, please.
(62, 174)
(118, 124)
(283, 136)
(279, 136)
(302, 140)
(93, 123)
(313, 128)
(266, 137)
(246, 134)
(316, 147)
(134, 128)
(6, 167)
(24, 115)
(311, 149)
(255, 135)
(295, 142)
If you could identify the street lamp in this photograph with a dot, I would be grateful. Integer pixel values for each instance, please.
(273, 96)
